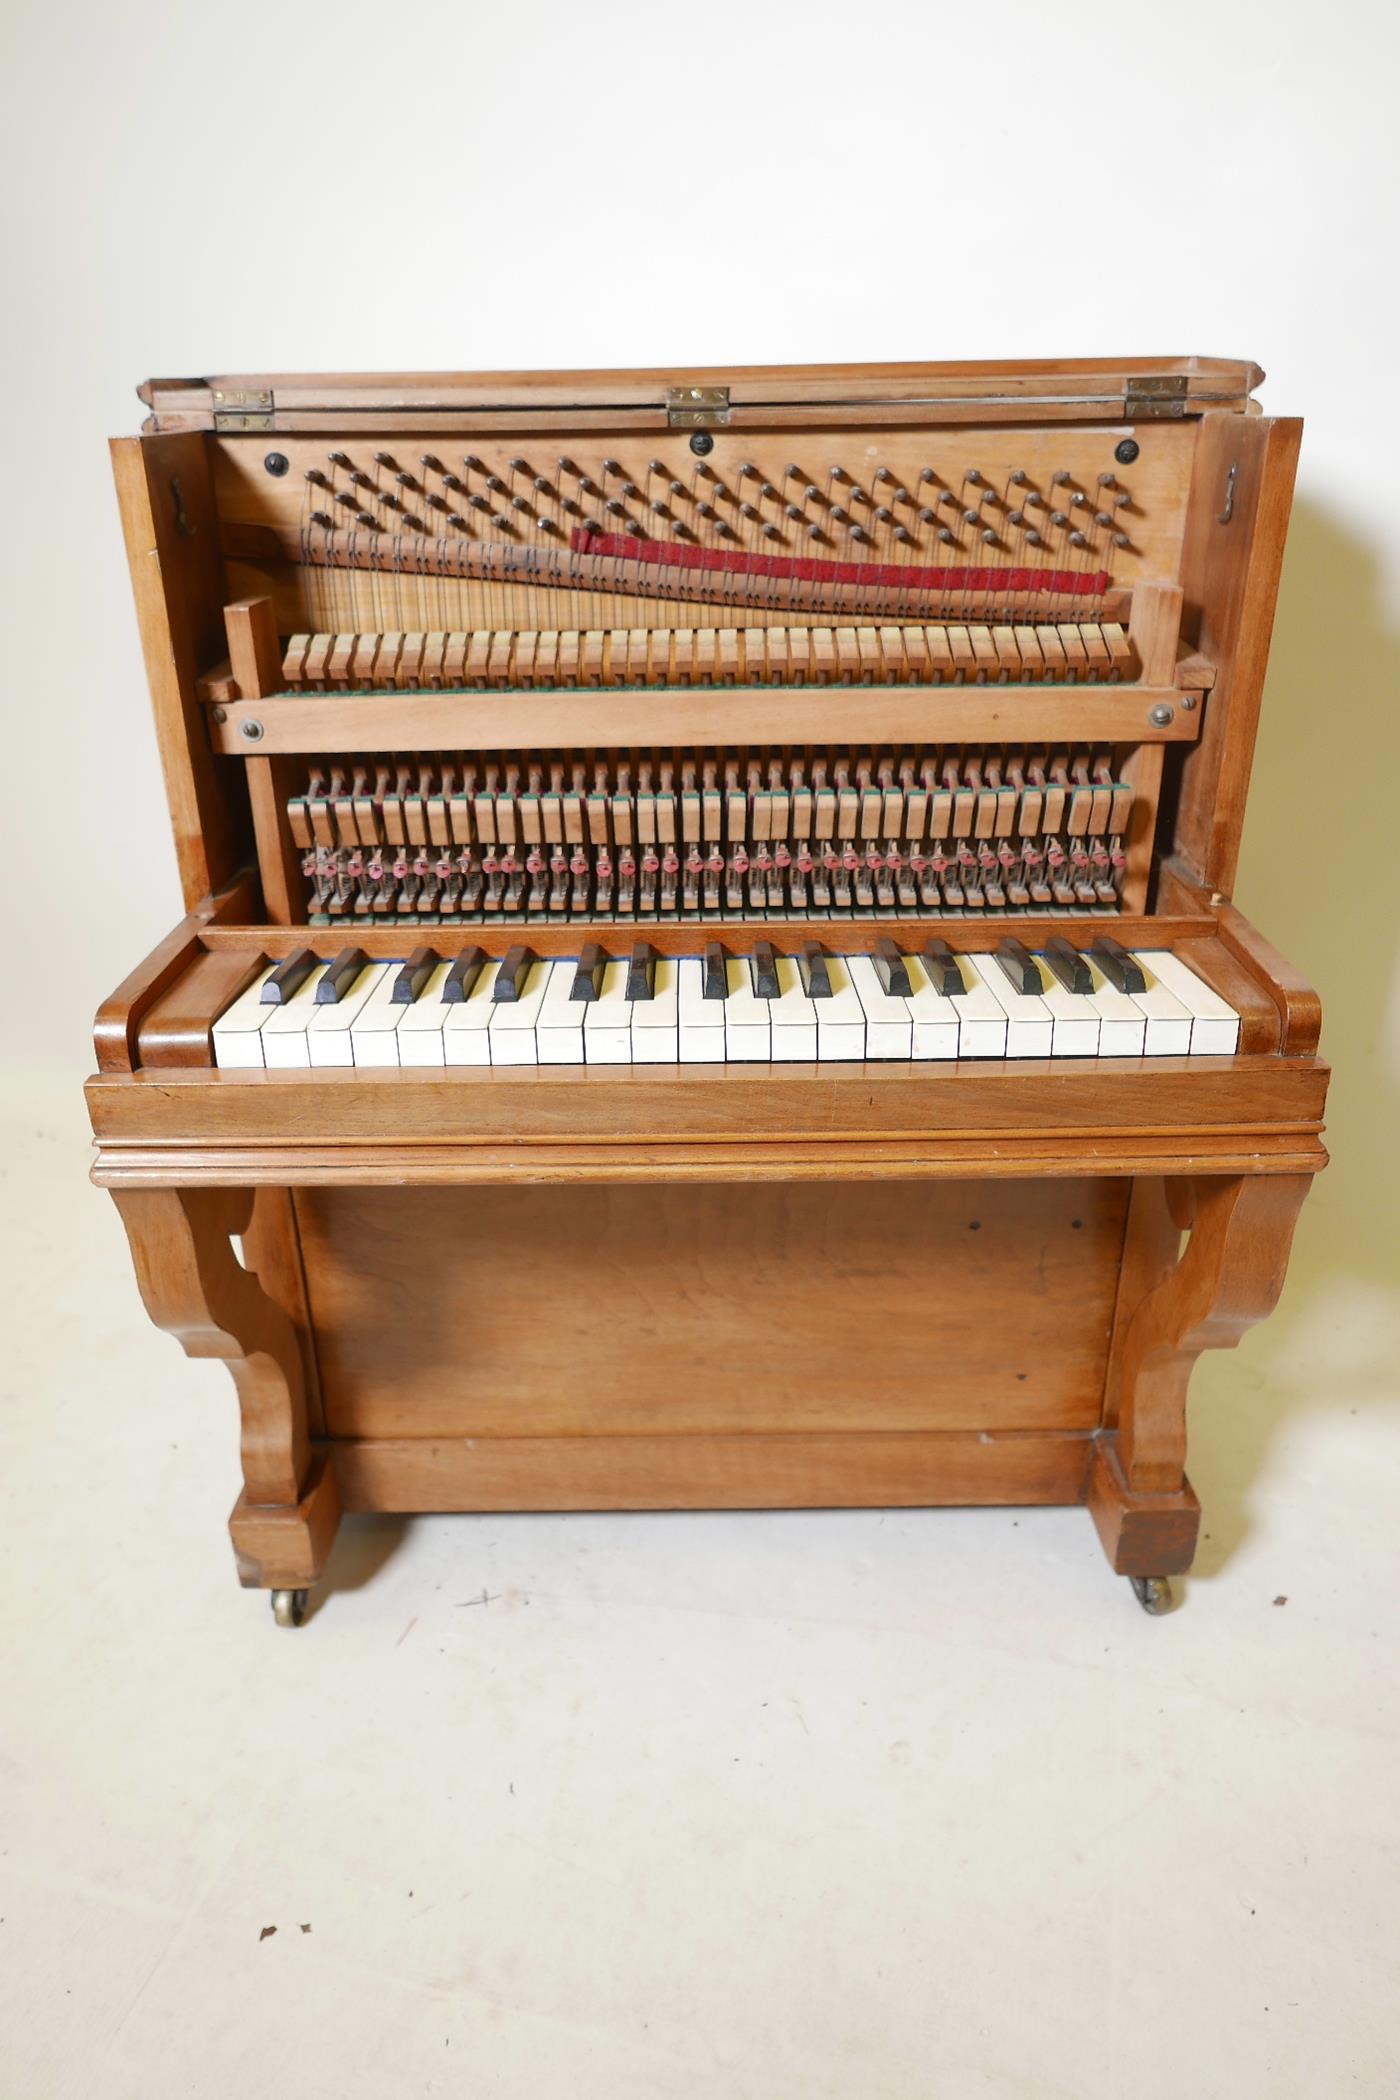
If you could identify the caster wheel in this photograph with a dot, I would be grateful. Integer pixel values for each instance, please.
(289, 1607)
(1153, 1593)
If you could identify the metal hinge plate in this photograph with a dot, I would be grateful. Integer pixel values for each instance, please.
(242, 408)
(1151, 396)
(697, 407)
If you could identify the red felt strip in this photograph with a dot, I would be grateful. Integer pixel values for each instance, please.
(1066, 583)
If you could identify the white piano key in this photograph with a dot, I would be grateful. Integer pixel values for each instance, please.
(1215, 1027)
(1074, 1025)
(420, 1034)
(1168, 1022)
(559, 1031)
(840, 1019)
(701, 1019)
(466, 1038)
(656, 1021)
(792, 1016)
(374, 1032)
(748, 1033)
(935, 1017)
(607, 1025)
(513, 1021)
(889, 1029)
(1122, 1022)
(237, 1034)
(981, 1018)
(285, 1047)
(1029, 1028)
(328, 1032)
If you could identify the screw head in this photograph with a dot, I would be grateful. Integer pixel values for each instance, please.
(1188, 701)
(252, 730)
(701, 443)
(276, 463)
(1159, 716)
(220, 714)
(1127, 452)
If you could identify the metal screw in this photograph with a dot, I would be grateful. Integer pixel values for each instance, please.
(1188, 701)
(702, 443)
(276, 463)
(1127, 452)
(253, 730)
(1159, 717)
(220, 714)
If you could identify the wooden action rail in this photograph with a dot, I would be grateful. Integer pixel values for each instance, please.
(484, 661)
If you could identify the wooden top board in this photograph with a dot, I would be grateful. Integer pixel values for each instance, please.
(1066, 389)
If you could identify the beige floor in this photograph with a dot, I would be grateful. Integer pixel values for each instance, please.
(914, 1804)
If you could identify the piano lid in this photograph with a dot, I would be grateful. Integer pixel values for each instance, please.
(1093, 390)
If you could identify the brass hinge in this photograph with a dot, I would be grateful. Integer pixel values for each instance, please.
(1153, 395)
(242, 408)
(697, 407)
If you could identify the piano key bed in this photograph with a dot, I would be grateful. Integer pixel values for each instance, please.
(714, 1008)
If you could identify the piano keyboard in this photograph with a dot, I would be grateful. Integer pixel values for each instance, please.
(714, 1008)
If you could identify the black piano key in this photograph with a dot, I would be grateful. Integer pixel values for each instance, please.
(816, 978)
(1068, 965)
(763, 966)
(408, 985)
(1021, 971)
(513, 973)
(641, 971)
(466, 968)
(588, 976)
(340, 973)
(1121, 970)
(944, 969)
(890, 973)
(288, 977)
(716, 984)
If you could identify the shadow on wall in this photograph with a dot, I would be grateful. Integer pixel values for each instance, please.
(1314, 877)
(1315, 873)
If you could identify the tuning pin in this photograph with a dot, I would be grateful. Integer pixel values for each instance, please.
(706, 510)
(839, 474)
(974, 477)
(316, 477)
(1033, 539)
(970, 517)
(431, 461)
(858, 532)
(945, 535)
(520, 466)
(388, 500)
(614, 508)
(494, 483)
(365, 517)
(771, 532)
(1059, 478)
(1108, 481)
(1016, 517)
(988, 536)
(343, 496)
(768, 492)
(454, 517)
(570, 508)
(1035, 501)
(840, 516)
(1078, 500)
(1120, 539)
(926, 474)
(542, 487)
(746, 510)
(677, 488)
(883, 514)
(478, 503)
(1059, 517)
(721, 493)
(385, 459)
(947, 497)
(435, 502)
(474, 465)
(338, 459)
(1077, 539)
(406, 481)
(812, 494)
(546, 526)
(522, 503)
(565, 464)
(1018, 478)
(452, 481)
(656, 466)
(927, 516)
(630, 491)
(746, 470)
(883, 474)
(791, 472)
(902, 533)
(360, 481)
(814, 532)
(610, 466)
(1103, 518)
(1120, 500)
(324, 520)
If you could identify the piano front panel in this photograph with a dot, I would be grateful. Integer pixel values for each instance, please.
(690, 1310)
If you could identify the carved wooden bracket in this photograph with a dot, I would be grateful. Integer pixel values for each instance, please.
(194, 1287)
(1228, 1278)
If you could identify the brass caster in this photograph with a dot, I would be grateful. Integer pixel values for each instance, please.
(1153, 1593)
(289, 1607)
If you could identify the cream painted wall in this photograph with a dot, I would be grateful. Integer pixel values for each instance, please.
(194, 188)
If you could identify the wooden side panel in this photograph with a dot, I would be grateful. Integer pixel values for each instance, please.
(1230, 571)
(172, 546)
(560, 1311)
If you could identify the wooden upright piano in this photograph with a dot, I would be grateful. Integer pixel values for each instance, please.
(708, 976)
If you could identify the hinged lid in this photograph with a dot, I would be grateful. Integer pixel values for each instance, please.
(1092, 390)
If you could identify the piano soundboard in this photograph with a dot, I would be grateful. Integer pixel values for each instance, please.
(610, 806)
